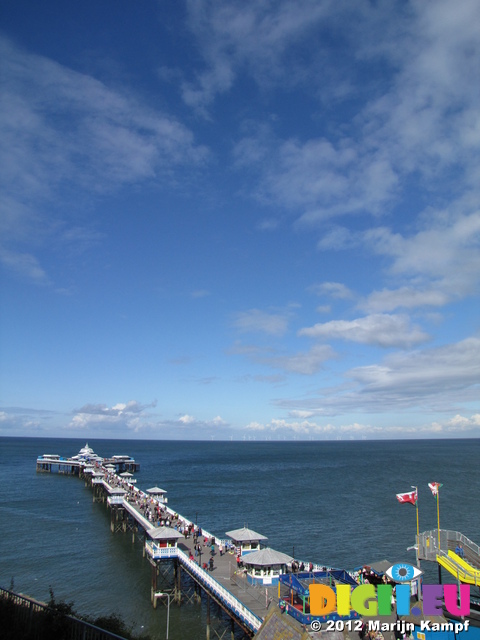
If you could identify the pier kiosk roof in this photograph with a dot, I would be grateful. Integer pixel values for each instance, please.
(245, 535)
(246, 540)
(156, 491)
(265, 566)
(164, 533)
(267, 558)
(115, 491)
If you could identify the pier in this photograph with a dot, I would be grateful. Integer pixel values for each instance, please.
(188, 564)
(253, 585)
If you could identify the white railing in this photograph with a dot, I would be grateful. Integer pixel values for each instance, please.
(156, 552)
(253, 621)
(146, 524)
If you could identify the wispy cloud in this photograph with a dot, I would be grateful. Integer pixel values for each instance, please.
(63, 130)
(433, 372)
(254, 36)
(382, 330)
(258, 321)
(301, 362)
(459, 425)
(420, 130)
(441, 379)
(332, 289)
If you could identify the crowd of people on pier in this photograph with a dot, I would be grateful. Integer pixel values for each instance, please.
(157, 513)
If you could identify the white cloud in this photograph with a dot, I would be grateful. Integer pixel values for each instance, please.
(442, 379)
(248, 35)
(379, 329)
(417, 125)
(357, 430)
(432, 372)
(304, 362)
(333, 290)
(257, 321)
(406, 297)
(186, 419)
(24, 264)
(447, 251)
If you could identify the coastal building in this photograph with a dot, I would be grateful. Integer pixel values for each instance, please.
(264, 567)
(246, 540)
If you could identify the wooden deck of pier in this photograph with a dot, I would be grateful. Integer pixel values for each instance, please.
(257, 599)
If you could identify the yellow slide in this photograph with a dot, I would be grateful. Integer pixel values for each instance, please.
(459, 568)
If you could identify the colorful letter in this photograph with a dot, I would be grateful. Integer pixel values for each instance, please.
(322, 599)
(364, 600)
(384, 597)
(343, 599)
(450, 596)
(432, 594)
(402, 596)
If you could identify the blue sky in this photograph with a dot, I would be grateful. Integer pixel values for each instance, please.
(247, 219)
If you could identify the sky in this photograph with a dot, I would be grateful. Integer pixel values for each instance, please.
(240, 219)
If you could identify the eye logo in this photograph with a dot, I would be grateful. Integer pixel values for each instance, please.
(403, 572)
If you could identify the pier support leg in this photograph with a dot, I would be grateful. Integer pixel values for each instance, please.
(178, 582)
(154, 586)
(232, 629)
(208, 617)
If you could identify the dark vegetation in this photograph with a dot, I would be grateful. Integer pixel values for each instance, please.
(25, 619)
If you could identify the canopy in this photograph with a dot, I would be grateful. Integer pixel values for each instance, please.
(245, 535)
(163, 533)
(266, 558)
(155, 491)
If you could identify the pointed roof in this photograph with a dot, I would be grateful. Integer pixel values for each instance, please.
(156, 491)
(245, 535)
(266, 557)
(163, 533)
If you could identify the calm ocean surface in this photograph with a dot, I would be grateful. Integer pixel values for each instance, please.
(332, 502)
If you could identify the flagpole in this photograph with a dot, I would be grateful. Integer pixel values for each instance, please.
(418, 527)
(438, 516)
(417, 549)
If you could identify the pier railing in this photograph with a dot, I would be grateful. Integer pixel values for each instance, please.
(157, 552)
(240, 610)
(428, 547)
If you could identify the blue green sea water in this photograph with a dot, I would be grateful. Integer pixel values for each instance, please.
(329, 502)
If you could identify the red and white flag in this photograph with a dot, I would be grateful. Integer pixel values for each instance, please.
(408, 497)
(434, 487)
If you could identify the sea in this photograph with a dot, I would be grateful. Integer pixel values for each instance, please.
(331, 503)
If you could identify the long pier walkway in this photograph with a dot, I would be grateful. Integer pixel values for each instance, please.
(256, 599)
(226, 583)
(179, 548)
